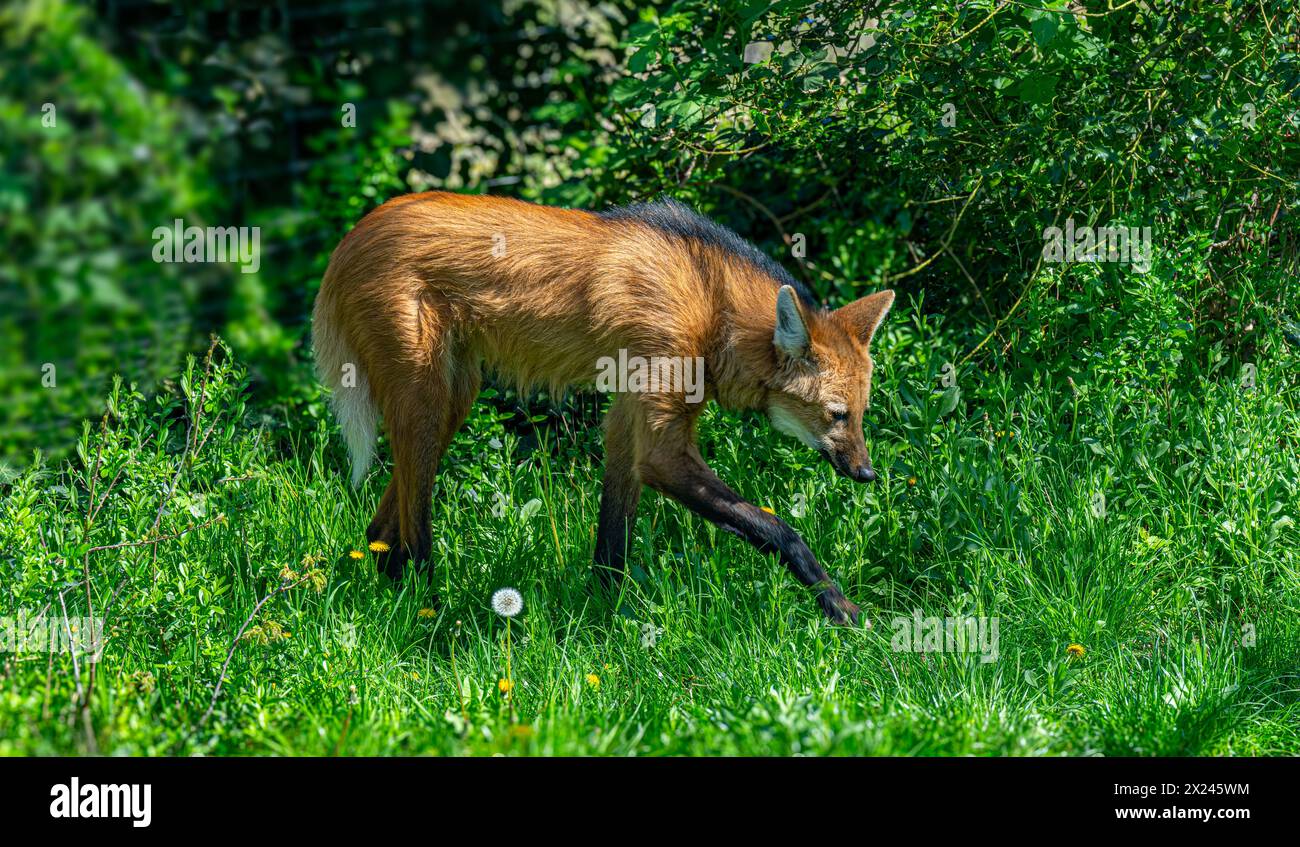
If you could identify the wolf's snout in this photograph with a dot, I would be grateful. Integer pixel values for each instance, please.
(858, 470)
(864, 473)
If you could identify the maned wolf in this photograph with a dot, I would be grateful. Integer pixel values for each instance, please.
(429, 288)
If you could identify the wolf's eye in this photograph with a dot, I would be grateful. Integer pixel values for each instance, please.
(839, 417)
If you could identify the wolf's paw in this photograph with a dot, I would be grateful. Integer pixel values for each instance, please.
(842, 611)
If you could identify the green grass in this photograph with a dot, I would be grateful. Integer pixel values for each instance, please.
(1183, 586)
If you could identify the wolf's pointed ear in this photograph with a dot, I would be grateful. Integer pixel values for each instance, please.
(791, 335)
(864, 315)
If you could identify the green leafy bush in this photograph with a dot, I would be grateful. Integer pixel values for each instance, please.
(929, 149)
(1103, 457)
(93, 163)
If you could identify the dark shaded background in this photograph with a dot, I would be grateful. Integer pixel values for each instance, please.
(228, 113)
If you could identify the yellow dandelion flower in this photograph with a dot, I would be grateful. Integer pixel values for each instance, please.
(427, 613)
(593, 680)
(504, 686)
(1075, 651)
(521, 731)
(769, 510)
(356, 554)
(379, 547)
(911, 480)
(415, 675)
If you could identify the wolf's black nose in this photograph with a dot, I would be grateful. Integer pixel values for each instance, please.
(865, 474)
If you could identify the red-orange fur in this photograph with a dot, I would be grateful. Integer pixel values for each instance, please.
(416, 298)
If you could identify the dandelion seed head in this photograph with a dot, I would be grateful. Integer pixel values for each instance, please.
(507, 602)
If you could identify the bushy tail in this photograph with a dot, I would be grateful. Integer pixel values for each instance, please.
(337, 367)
